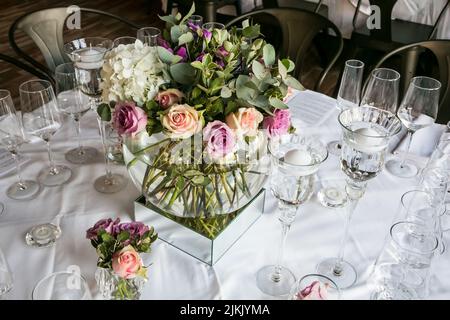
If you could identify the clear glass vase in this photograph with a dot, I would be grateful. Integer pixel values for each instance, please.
(113, 287)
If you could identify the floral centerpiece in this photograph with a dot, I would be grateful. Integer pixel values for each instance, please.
(121, 273)
(195, 113)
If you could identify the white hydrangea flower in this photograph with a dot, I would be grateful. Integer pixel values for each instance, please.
(132, 72)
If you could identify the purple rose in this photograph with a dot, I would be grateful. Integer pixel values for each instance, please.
(135, 229)
(220, 63)
(207, 34)
(219, 138)
(105, 224)
(193, 26)
(222, 52)
(128, 118)
(182, 53)
(278, 124)
(163, 43)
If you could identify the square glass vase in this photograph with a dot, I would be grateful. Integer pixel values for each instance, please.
(205, 240)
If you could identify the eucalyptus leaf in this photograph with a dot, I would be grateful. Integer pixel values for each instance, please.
(293, 83)
(169, 19)
(277, 103)
(225, 92)
(190, 13)
(245, 23)
(289, 64)
(167, 57)
(183, 73)
(251, 32)
(259, 70)
(282, 70)
(185, 38)
(268, 55)
(175, 33)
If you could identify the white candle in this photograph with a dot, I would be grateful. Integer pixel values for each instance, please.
(368, 140)
(90, 58)
(298, 157)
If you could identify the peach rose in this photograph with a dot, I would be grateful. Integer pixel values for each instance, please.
(245, 120)
(127, 263)
(169, 97)
(181, 121)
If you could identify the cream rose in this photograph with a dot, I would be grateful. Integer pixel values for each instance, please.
(127, 263)
(181, 121)
(245, 121)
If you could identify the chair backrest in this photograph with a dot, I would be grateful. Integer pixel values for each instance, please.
(45, 27)
(298, 28)
(441, 50)
(19, 64)
(274, 4)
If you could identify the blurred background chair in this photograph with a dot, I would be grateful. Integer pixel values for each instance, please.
(46, 28)
(292, 32)
(299, 4)
(427, 58)
(207, 8)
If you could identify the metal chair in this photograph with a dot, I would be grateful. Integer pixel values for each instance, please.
(206, 8)
(45, 27)
(305, 5)
(298, 30)
(410, 55)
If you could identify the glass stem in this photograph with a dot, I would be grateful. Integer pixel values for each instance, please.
(102, 126)
(53, 169)
(20, 182)
(78, 131)
(408, 145)
(287, 215)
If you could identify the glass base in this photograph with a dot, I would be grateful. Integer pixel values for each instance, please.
(25, 191)
(57, 176)
(332, 197)
(334, 147)
(112, 184)
(394, 291)
(407, 170)
(345, 279)
(43, 235)
(81, 155)
(266, 283)
(2, 208)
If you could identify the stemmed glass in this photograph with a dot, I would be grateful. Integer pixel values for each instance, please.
(315, 287)
(295, 161)
(149, 35)
(11, 137)
(6, 276)
(348, 97)
(62, 286)
(41, 118)
(418, 110)
(73, 102)
(382, 90)
(366, 132)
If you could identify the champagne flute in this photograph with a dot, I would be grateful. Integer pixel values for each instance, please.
(41, 118)
(348, 97)
(295, 159)
(366, 132)
(149, 35)
(11, 137)
(418, 110)
(382, 90)
(73, 102)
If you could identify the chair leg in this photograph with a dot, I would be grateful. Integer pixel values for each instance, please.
(208, 10)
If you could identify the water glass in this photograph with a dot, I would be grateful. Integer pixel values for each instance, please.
(315, 287)
(125, 40)
(149, 35)
(62, 286)
(210, 26)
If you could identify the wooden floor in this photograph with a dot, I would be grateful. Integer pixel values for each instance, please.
(141, 12)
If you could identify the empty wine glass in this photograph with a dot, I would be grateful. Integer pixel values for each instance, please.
(6, 276)
(366, 132)
(418, 110)
(62, 286)
(348, 97)
(74, 103)
(382, 90)
(125, 40)
(149, 35)
(11, 137)
(315, 287)
(41, 118)
(210, 26)
(295, 161)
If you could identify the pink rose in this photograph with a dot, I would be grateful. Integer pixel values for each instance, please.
(219, 138)
(126, 263)
(245, 120)
(128, 118)
(169, 97)
(278, 124)
(181, 121)
(315, 291)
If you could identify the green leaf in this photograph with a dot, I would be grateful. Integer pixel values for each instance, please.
(225, 92)
(169, 19)
(183, 73)
(192, 173)
(167, 57)
(282, 70)
(104, 112)
(268, 55)
(277, 103)
(259, 70)
(245, 23)
(251, 32)
(106, 237)
(289, 64)
(175, 33)
(123, 235)
(185, 38)
(197, 65)
(190, 13)
(198, 179)
(216, 85)
(231, 107)
(293, 83)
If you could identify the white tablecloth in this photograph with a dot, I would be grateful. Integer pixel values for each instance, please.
(314, 235)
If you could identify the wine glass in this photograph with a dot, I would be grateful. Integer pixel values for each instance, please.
(62, 286)
(382, 90)
(149, 35)
(11, 137)
(41, 118)
(6, 276)
(418, 110)
(315, 287)
(295, 161)
(123, 41)
(196, 20)
(366, 132)
(348, 97)
(74, 103)
(210, 26)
